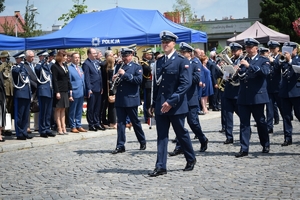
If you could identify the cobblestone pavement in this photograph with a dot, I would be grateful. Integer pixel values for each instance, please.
(85, 169)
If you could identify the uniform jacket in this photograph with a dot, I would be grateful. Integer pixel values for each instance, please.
(253, 84)
(77, 81)
(128, 91)
(175, 82)
(5, 68)
(231, 91)
(92, 76)
(60, 79)
(147, 70)
(192, 93)
(290, 85)
(274, 78)
(32, 76)
(44, 87)
(19, 71)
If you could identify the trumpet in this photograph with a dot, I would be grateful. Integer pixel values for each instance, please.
(282, 58)
(117, 80)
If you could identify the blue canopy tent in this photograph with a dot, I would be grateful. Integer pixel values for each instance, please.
(11, 43)
(115, 27)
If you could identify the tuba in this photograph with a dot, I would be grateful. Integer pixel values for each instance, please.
(223, 55)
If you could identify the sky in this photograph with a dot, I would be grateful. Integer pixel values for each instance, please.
(50, 10)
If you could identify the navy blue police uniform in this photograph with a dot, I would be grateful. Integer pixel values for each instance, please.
(45, 95)
(253, 96)
(230, 96)
(193, 103)
(289, 91)
(273, 82)
(127, 102)
(171, 83)
(22, 98)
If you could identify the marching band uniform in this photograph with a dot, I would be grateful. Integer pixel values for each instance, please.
(192, 97)
(22, 97)
(127, 101)
(45, 95)
(290, 93)
(253, 96)
(230, 96)
(171, 83)
(273, 82)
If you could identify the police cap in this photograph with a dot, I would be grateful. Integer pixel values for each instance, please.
(251, 42)
(167, 36)
(185, 47)
(273, 44)
(42, 53)
(291, 44)
(263, 50)
(19, 55)
(126, 51)
(235, 46)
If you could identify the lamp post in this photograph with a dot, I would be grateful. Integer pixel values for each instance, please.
(33, 9)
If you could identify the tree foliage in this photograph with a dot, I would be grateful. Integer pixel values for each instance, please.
(279, 15)
(78, 8)
(2, 7)
(8, 27)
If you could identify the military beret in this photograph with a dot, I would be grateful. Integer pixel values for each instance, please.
(251, 42)
(126, 51)
(167, 36)
(42, 53)
(19, 55)
(291, 44)
(235, 46)
(273, 44)
(4, 54)
(185, 47)
(263, 49)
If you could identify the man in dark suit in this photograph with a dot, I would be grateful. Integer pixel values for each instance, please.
(22, 97)
(171, 83)
(289, 90)
(231, 92)
(128, 99)
(93, 83)
(253, 96)
(45, 94)
(192, 97)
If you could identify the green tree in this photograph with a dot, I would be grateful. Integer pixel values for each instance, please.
(78, 8)
(2, 7)
(30, 26)
(279, 15)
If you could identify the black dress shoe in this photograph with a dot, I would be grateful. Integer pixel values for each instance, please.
(51, 134)
(157, 172)
(118, 150)
(215, 109)
(7, 133)
(44, 135)
(143, 146)
(21, 138)
(287, 143)
(196, 137)
(241, 154)
(100, 128)
(28, 137)
(255, 125)
(266, 150)
(2, 140)
(92, 128)
(270, 130)
(204, 146)
(175, 140)
(176, 152)
(228, 141)
(276, 122)
(222, 130)
(190, 165)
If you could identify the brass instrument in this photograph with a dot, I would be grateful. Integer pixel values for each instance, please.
(223, 55)
(117, 80)
(282, 58)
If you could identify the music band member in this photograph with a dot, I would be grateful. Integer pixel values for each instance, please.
(253, 96)
(129, 76)
(171, 83)
(289, 91)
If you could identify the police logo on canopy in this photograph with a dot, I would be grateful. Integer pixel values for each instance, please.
(95, 41)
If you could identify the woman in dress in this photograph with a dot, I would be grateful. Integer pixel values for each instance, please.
(62, 91)
(2, 107)
(208, 89)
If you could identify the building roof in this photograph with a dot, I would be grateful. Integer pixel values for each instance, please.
(11, 22)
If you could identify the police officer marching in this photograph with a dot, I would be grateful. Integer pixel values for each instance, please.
(289, 90)
(253, 96)
(171, 83)
(22, 97)
(192, 97)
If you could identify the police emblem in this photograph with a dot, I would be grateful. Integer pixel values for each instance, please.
(95, 41)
